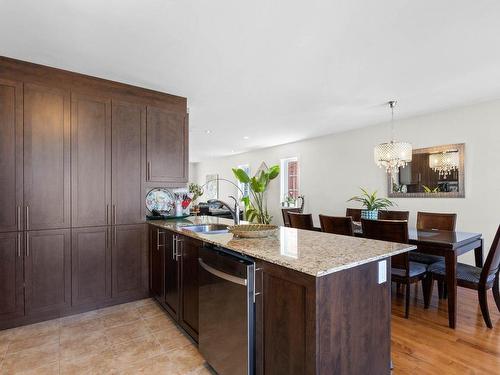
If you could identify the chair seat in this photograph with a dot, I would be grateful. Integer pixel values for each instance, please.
(416, 269)
(423, 258)
(465, 272)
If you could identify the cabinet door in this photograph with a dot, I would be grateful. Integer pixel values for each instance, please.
(166, 146)
(128, 157)
(157, 263)
(90, 265)
(46, 157)
(11, 157)
(129, 259)
(189, 249)
(171, 276)
(90, 160)
(48, 271)
(11, 276)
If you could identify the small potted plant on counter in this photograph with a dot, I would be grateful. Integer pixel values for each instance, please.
(371, 204)
(195, 191)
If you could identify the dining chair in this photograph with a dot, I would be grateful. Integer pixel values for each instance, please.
(301, 221)
(434, 221)
(480, 279)
(403, 271)
(336, 225)
(286, 211)
(393, 215)
(355, 213)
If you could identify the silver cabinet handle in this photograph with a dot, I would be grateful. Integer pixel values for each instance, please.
(114, 215)
(18, 218)
(19, 239)
(106, 239)
(148, 171)
(27, 218)
(27, 244)
(114, 235)
(107, 214)
(222, 275)
(174, 246)
(178, 249)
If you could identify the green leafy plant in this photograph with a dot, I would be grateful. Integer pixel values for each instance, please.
(371, 202)
(255, 205)
(427, 189)
(196, 190)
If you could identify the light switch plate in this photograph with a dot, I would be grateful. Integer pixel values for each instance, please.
(382, 271)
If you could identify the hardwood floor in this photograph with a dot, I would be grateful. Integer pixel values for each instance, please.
(139, 338)
(424, 344)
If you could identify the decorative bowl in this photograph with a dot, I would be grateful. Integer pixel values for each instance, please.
(253, 230)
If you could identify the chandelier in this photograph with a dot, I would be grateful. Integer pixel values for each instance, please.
(392, 155)
(444, 162)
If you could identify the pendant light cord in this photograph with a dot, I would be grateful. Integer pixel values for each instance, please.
(392, 104)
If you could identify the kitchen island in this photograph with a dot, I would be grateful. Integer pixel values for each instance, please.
(322, 301)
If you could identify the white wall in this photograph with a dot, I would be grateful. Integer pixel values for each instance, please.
(333, 167)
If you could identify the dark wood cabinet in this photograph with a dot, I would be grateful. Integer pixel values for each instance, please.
(130, 261)
(174, 276)
(157, 263)
(90, 160)
(335, 324)
(128, 128)
(46, 157)
(11, 276)
(90, 265)
(189, 251)
(166, 145)
(47, 271)
(172, 288)
(11, 157)
(73, 173)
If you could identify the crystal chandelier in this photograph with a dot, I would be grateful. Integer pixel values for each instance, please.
(444, 162)
(392, 155)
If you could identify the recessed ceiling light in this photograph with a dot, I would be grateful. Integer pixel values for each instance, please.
(208, 131)
(246, 137)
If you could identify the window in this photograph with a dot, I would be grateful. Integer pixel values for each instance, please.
(289, 181)
(244, 187)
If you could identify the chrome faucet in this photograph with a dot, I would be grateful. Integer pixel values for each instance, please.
(235, 213)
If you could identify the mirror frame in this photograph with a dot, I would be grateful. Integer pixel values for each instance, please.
(461, 174)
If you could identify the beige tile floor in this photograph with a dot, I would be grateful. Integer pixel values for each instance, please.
(133, 338)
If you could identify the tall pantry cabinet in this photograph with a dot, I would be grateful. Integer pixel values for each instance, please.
(75, 162)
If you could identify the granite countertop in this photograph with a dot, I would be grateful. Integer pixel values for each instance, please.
(309, 252)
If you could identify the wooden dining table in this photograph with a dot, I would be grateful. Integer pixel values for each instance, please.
(448, 245)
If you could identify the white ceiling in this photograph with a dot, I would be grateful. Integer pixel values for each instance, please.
(273, 70)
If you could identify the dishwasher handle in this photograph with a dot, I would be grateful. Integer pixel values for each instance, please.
(222, 275)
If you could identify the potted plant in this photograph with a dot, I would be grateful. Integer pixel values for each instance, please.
(195, 191)
(371, 203)
(255, 204)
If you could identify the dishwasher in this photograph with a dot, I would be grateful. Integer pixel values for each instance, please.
(227, 312)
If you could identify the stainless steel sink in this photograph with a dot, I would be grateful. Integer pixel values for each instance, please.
(207, 228)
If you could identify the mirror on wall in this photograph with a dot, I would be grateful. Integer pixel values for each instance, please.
(434, 172)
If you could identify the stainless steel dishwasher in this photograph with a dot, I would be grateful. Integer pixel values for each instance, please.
(227, 312)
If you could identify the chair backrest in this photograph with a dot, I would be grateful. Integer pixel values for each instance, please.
(336, 224)
(393, 215)
(492, 263)
(391, 231)
(301, 221)
(355, 213)
(285, 212)
(433, 220)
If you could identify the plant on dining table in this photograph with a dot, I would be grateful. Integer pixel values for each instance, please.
(255, 204)
(371, 203)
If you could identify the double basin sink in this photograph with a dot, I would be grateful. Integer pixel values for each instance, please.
(207, 228)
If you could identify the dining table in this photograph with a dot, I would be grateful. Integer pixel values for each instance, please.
(449, 245)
